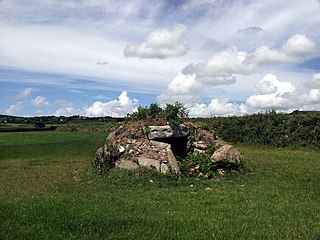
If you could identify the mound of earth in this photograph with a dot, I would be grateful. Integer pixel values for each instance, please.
(155, 144)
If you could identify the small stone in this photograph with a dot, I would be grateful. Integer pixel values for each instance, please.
(200, 145)
(164, 168)
(151, 181)
(121, 149)
(191, 185)
(198, 151)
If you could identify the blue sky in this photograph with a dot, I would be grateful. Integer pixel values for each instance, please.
(218, 57)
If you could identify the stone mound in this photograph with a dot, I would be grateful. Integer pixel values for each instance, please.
(143, 144)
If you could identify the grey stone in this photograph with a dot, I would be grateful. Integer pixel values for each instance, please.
(160, 146)
(166, 131)
(227, 153)
(198, 151)
(200, 145)
(164, 168)
(172, 160)
(126, 164)
(149, 163)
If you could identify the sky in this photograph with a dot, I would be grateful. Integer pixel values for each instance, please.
(107, 57)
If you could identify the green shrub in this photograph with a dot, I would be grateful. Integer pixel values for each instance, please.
(172, 113)
(269, 129)
(154, 110)
(105, 158)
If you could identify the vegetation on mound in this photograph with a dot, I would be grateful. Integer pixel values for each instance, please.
(171, 112)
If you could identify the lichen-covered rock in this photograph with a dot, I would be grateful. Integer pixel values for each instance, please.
(159, 132)
(149, 163)
(227, 153)
(126, 164)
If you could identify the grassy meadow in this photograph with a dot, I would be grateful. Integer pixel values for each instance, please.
(48, 190)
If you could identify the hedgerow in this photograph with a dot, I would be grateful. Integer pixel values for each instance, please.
(269, 128)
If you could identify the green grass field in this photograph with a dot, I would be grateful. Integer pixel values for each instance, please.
(48, 190)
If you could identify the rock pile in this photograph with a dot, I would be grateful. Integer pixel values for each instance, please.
(139, 144)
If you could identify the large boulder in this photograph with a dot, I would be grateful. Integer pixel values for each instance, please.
(159, 132)
(227, 153)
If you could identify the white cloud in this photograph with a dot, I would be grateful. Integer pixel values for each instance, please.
(114, 108)
(182, 88)
(296, 49)
(39, 101)
(217, 107)
(222, 64)
(15, 108)
(160, 43)
(313, 97)
(25, 93)
(265, 56)
(315, 82)
(66, 108)
(270, 84)
(274, 94)
(299, 46)
(222, 68)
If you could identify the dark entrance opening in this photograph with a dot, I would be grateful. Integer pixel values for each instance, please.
(178, 145)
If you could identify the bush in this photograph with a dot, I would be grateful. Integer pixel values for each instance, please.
(172, 113)
(269, 129)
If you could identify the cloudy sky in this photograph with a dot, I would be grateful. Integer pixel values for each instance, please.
(107, 57)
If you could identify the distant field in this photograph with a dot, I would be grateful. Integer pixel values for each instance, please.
(48, 190)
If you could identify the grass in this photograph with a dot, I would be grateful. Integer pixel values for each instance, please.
(49, 191)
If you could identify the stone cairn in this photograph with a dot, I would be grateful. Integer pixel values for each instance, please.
(139, 144)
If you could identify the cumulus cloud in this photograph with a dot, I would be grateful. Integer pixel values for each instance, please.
(65, 108)
(187, 86)
(182, 88)
(114, 108)
(274, 94)
(39, 101)
(232, 61)
(222, 64)
(161, 43)
(315, 82)
(25, 93)
(313, 97)
(222, 68)
(217, 107)
(270, 84)
(297, 48)
(15, 108)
